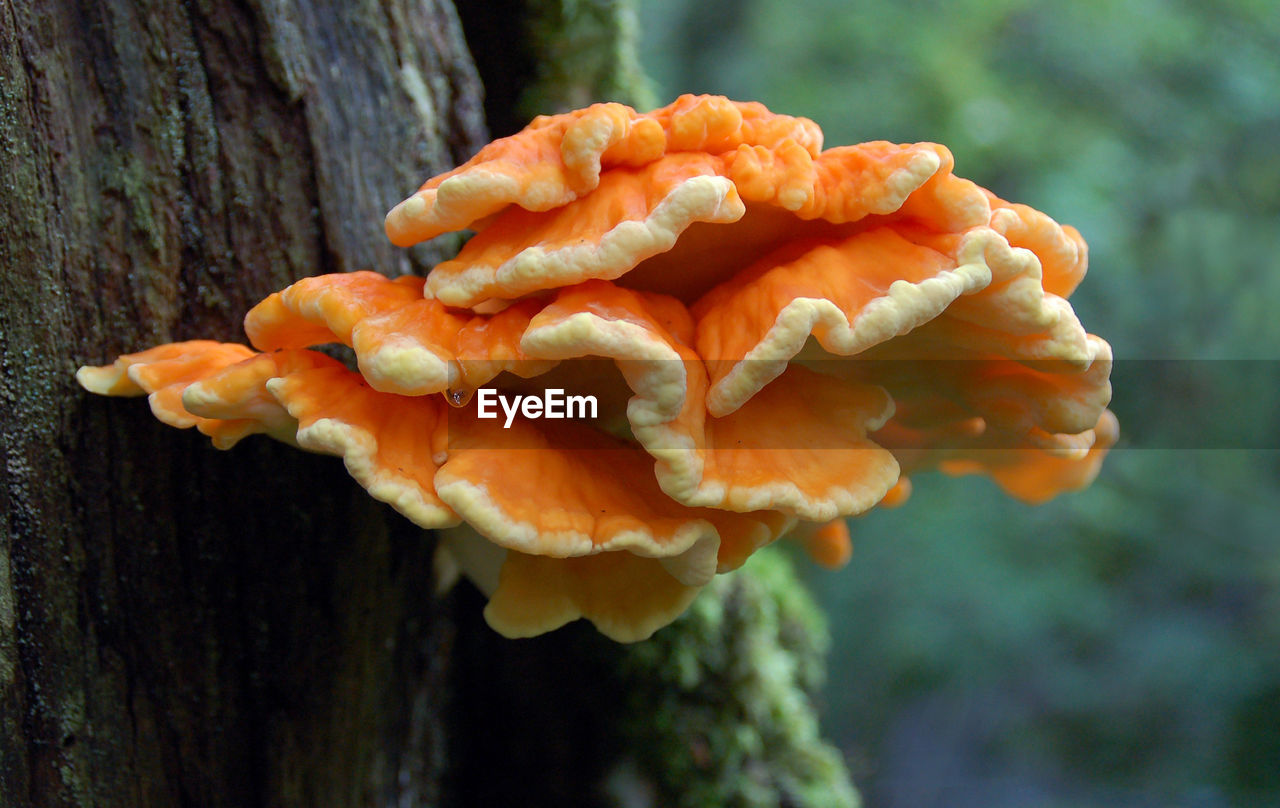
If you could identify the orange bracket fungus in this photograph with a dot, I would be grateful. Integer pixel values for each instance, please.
(776, 336)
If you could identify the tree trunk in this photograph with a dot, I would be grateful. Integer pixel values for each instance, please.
(180, 626)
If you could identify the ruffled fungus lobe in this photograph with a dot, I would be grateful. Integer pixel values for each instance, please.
(777, 336)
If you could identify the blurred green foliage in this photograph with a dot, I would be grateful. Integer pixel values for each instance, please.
(1119, 646)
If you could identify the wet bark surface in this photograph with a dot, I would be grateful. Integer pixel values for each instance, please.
(180, 626)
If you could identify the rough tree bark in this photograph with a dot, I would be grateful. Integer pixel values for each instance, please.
(179, 626)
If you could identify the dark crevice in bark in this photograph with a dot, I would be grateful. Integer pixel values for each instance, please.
(563, 685)
(503, 56)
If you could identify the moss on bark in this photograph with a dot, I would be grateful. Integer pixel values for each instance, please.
(721, 703)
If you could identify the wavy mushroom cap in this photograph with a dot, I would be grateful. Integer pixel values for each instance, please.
(776, 335)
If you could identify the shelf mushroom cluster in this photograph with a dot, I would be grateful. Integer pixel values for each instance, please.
(777, 336)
